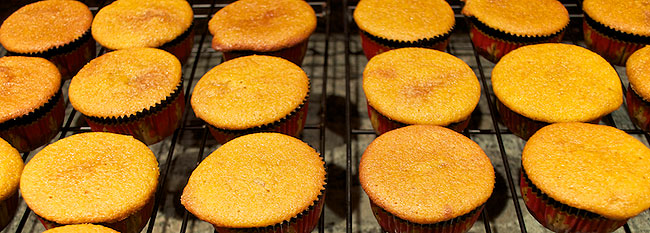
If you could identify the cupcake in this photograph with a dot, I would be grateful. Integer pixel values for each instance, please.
(263, 182)
(390, 24)
(98, 178)
(579, 177)
(638, 92)
(163, 24)
(31, 104)
(278, 28)
(615, 29)
(85, 228)
(496, 28)
(537, 85)
(133, 91)
(11, 166)
(411, 86)
(252, 94)
(426, 178)
(55, 30)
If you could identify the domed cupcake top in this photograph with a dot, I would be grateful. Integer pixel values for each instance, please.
(249, 91)
(125, 82)
(426, 174)
(255, 180)
(26, 83)
(421, 86)
(405, 20)
(557, 83)
(90, 178)
(11, 166)
(520, 17)
(592, 167)
(261, 25)
(85, 228)
(135, 23)
(638, 72)
(628, 16)
(44, 25)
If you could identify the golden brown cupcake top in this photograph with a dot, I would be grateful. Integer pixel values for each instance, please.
(557, 83)
(262, 25)
(638, 72)
(136, 23)
(90, 178)
(426, 174)
(11, 166)
(249, 91)
(45, 25)
(591, 167)
(628, 16)
(125, 82)
(26, 83)
(405, 20)
(421, 86)
(520, 17)
(255, 180)
(85, 228)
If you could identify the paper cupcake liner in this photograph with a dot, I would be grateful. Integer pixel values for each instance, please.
(559, 217)
(493, 44)
(392, 223)
(613, 45)
(150, 125)
(293, 54)
(383, 124)
(181, 46)
(36, 128)
(638, 109)
(304, 222)
(68, 58)
(132, 224)
(8, 209)
(374, 45)
(520, 125)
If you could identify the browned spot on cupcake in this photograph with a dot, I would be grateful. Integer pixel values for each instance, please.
(150, 15)
(386, 73)
(148, 80)
(448, 212)
(421, 89)
(6, 77)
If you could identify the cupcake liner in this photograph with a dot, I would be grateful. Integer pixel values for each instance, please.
(8, 209)
(294, 53)
(392, 223)
(493, 44)
(291, 124)
(150, 125)
(638, 109)
(383, 124)
(304, 222)
(36, 128)
(374, 45)
(68, 58)
(132, 224)
(559, 217)
(613, 45)
(181, 46)
(522, 126)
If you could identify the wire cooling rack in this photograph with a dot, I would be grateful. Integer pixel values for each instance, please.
(334, 63)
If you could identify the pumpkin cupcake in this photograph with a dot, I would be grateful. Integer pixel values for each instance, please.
(163, 24)
(410, 86)
(579, 177)
(58, 30)
(133, 91)
(31, 104)
(390, 24)
(270, 170)
(100, 178)
(85, 228)
(11, 166)
(638, 92)
(616, 28)
(252, 94)
(278, 28)
(502, 26)
(537, 85)
(426, 178)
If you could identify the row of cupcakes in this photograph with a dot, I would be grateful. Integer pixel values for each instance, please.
(614, 29)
